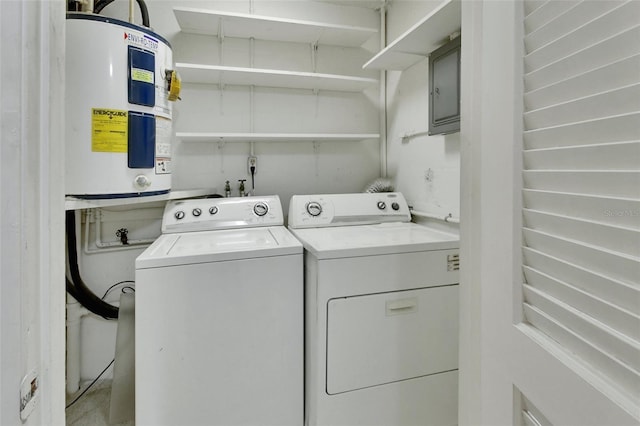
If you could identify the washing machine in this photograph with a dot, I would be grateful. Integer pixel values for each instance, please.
(381, 312)
(219, 317)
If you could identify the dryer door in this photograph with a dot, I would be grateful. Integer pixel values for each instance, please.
(383, 338)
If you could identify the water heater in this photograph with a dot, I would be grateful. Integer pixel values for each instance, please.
(119, 83)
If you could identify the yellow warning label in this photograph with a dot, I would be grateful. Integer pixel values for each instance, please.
(145, 76)
(109, 130)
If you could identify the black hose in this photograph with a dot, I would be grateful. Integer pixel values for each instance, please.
(144, 12)
(83, 294)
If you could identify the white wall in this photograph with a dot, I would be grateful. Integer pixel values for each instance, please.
(31, 209)
(426, 169)
(284, 168)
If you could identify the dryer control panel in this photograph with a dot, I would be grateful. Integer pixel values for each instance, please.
(313, 211)
(205, 214)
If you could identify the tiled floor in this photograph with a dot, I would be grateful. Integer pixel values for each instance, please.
(93, 408)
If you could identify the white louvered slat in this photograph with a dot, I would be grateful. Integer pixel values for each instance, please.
(620, 128)
(600, 309)
(532, 5)
(618, 19)
(600, 261)
(612, 102)
(621, 45)
(545, 13)
(529, 420)
(617, 74)
(615, 238)
(567, 21)
(616, 211)
(609, 341)
(531, 415)
(616, 183)
(619, 375)
(617, 293)
(614, 156)
(581, 184)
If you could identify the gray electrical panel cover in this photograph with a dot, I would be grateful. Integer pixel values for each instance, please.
(444, 89)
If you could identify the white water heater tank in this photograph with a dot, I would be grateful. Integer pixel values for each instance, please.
(118, 113)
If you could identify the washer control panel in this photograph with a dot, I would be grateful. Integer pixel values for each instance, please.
(312, 211)
(204, 214)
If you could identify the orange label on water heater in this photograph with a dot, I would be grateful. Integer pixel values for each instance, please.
(109, 129)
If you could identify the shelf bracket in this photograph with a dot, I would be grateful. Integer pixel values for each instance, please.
(221, 47)
(314, 66)
(314, 56)
(220, 30)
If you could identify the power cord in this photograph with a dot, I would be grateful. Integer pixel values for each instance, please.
(116, 285)
(90, 384)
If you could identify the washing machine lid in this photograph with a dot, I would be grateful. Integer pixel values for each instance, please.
(369, 240)
(216, 246)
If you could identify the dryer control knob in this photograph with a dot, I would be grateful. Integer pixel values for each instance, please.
(314, 208)
(382, 205)
(395, 206)
(196, 212)
(179, 215)
(213, 210)
(260, 209)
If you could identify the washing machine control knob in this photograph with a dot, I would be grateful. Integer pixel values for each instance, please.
(314, 208)
(196, 212)
(179, 215)
(213, 210)
(395, 206)
(260, 209)
(382, 205)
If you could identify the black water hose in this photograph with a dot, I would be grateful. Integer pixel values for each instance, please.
(144, 12)
(76, 287)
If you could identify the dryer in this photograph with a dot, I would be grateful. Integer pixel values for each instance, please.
(219, 314)
(381, 312)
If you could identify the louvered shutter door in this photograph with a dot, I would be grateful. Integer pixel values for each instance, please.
(581, 180)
